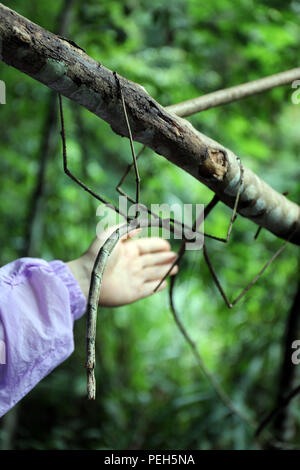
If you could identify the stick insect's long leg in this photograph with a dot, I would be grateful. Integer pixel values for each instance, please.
(70, 174)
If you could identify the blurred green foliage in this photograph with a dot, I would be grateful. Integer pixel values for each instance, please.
(151, 394)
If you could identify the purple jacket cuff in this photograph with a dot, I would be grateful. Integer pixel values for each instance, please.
(39, 302)
(77, 299)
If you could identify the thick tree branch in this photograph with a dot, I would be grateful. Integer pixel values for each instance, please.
(234, 93)
(64, 67)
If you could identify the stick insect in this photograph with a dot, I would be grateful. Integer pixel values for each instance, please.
(131, 224)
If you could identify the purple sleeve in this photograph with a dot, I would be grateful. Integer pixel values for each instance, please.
(39, 302)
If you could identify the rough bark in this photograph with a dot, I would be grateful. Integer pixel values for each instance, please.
(63, 66)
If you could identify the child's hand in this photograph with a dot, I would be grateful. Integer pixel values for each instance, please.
(133, 270)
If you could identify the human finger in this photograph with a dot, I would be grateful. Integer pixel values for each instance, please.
(161, 257)
(152, 245)
(155, 273)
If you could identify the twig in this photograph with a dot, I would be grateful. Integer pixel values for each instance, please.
(229, 95)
